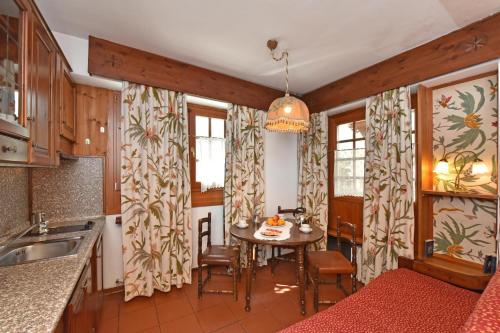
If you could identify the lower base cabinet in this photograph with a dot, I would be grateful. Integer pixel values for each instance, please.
(83, 311)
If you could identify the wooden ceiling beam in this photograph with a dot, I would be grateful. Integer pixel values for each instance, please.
(474, 44)
(120, 62)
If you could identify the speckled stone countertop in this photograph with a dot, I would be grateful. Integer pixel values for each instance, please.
(33, 296)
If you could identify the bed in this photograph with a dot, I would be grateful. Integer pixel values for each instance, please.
(397, 301)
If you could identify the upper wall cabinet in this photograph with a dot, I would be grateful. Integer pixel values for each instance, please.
(13, 29)
(40, 110)
(93, 105)
(37, 94)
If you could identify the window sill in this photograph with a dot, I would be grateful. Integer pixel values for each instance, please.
(213, 197)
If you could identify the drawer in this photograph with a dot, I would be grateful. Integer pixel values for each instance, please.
(13, 150)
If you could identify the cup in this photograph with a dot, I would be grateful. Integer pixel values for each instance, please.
(242, 223)
(305, 228)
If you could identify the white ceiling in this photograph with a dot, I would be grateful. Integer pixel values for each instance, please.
(327, 39)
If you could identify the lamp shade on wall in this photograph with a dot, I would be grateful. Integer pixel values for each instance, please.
(288, 114)
(479, 167)
(442, 167)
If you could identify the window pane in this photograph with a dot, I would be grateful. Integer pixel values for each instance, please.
(210, 157)
(344, 132)
(344, 146)
(359, 168)
(360, 128)
(344, 168)
(217, 127)
(201, 126)
(359, 186)
(344, 154)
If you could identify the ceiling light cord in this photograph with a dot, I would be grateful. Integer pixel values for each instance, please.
(284, 55)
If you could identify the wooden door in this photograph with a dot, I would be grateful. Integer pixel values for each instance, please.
(348, 207)
(68, 107)
(41, 94)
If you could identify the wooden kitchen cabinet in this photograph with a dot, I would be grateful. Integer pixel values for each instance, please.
(112, 172)
(83, 313)
(40, 94)
(65, 108)
(93, 104)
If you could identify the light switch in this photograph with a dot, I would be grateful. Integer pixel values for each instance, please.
(87, 141)
(102, 129)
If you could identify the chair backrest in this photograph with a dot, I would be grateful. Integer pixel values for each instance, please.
(201, 233)
(294, 211)
(347, 231)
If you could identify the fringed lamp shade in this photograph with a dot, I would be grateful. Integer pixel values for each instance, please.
(288, 114)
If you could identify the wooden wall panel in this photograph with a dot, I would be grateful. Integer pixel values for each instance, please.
(471, 45)
(124, 63)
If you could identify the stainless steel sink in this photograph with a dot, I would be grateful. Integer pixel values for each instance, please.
(33, 251)
(62, 229)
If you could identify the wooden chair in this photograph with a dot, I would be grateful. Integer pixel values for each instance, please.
(290, 257)
(216, 255)
(323, 264)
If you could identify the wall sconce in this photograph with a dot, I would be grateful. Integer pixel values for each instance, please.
(459, 163)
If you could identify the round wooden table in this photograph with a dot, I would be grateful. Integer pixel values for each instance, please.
(297, 240)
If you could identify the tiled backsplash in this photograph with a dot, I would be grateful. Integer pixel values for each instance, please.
(14, 205)
(72, 190)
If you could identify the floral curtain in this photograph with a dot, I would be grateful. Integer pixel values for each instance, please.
(244, 178)
(156, 192)
(388, 195)
(313, 173)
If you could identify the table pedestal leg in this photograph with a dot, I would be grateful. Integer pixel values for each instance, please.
(249, 275)
(300, 265)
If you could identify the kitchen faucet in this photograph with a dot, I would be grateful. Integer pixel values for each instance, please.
(39, 219)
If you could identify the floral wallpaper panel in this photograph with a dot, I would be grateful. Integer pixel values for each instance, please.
(466, 119)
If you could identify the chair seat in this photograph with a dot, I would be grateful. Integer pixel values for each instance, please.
(329, 262)
(218, 255)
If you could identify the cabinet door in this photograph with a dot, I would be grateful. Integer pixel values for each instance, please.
(67, 116)
(41, 88)
(112, 199)
(13, 49)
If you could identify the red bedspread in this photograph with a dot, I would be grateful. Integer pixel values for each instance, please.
(397, 301)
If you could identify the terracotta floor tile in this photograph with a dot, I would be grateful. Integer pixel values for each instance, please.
(108, 325)
(162, 297)
(238, 308)
(155, 329)
(234, 328)
(261, 322)
(173, 309)
(188, 324)
(215, 317)
(287, 312)
(136, 321)
(138, 303)
(207, 301)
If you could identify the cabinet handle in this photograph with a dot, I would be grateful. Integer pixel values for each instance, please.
(30, 118)
(7, 149)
